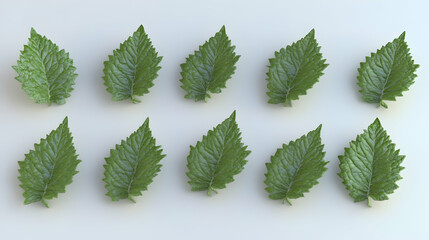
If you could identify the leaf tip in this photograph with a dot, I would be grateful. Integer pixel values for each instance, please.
(233, 115)
(402, 36)
(376, 122)
(146, 121)
(311, 33)
(140, 30)
(66, 121)
(33, 32)
(222, 29)
(319, 128)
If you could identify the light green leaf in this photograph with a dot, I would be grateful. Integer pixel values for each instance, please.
(386, 74)
(296, 167)
(132, 165)
(132, 68)
(294, 70)
(371, 166)
(213, 162)
(46, 73)
(48, 168)
(208, 69)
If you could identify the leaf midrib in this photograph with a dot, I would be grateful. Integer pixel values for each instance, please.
(293, 178)
(386, 80)
(215, 173)
(292, 82)
(137, 43)
(137, 163)
(208, 86)
(370, 182)
(48, 182)
(39, 55)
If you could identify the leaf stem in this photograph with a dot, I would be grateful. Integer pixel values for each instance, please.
(134, 99)
(45, 203)
(211, 189)
(383, 104)
(285, 200)
(368, 203)
(287, 102)
(131, 198)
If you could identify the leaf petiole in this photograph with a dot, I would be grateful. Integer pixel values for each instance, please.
(285, 200)
(211, 189)
(368, 203)
(45, 203)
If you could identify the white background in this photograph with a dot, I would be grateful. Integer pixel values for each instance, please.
(347, 31)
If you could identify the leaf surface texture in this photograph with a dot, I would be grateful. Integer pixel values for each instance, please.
(294, 70)
(370, 166)
(132, 165)
(387, 73)
(47, 74)
(50, 167)
(295, 168)
(207, 70)
(132, 68)
(213, 162)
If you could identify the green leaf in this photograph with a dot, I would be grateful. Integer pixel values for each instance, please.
(132, 68)
(132, 165)
(48, 168)
(386, 74)
(371, 166)
(296, 167)
(294, 70)
(214, 161)
(46, 73)
(208, 69)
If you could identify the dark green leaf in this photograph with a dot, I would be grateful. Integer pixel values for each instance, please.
(132, 68)
(48, 168)
(371, 166)
(296, 167)
(387, 73)
(208, 69)
(214, 161)
(294, 70)
(132, 165)
(46, 73)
